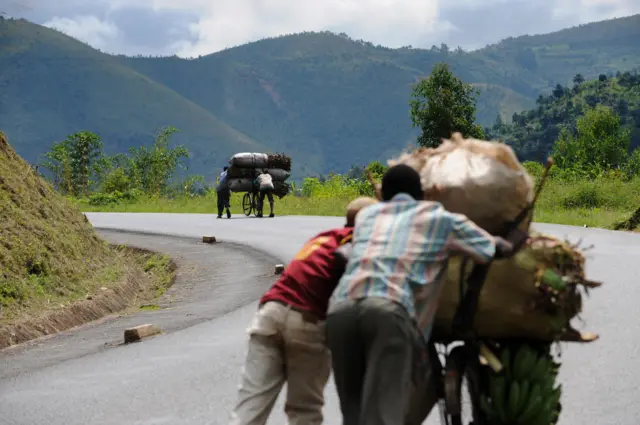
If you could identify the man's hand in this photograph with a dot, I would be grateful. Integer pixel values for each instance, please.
(504, 248)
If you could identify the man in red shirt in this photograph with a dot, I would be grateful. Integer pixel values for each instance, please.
(287, 337)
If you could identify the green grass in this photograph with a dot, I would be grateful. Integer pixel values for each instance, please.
(50, 254)
(597, 203)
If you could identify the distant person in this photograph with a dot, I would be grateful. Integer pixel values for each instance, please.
(223, 194)
(286, 335)
(264, 184)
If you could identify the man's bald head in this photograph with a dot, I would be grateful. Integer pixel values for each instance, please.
(355, 206)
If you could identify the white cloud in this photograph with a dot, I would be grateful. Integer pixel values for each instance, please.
(225, 23)
(97, 33)
(217, 24)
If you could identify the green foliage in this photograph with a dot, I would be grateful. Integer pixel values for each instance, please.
(599, 143)
(443, 104)
(325, 99)
(152, 168)
(533, 133)
(74, 161)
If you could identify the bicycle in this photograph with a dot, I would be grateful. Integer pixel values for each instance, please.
(249, 204)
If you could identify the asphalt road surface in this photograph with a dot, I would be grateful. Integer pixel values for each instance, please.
(189, 376)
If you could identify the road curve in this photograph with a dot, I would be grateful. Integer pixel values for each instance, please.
(190, 376)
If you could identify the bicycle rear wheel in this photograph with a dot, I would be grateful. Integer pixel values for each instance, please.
(247, 204)
(462, 383)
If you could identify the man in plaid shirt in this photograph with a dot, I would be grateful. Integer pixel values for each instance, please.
(391, 284)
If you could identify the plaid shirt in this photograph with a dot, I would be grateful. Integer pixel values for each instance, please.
(401, 250)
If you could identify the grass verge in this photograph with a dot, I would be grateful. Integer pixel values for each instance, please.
(596, 203)
(55, 272)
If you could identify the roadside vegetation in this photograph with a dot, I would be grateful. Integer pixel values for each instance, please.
(595, 182)
(56, 272)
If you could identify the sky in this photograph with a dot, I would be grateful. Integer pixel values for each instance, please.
(189, 28)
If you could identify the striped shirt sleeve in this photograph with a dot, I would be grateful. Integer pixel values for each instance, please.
(468, 238)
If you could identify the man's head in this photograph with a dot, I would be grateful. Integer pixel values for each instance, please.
(401, 179)
(225, 168)
(355, 206)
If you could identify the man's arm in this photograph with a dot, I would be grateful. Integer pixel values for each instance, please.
(468, 238)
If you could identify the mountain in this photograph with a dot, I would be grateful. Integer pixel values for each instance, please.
(323, 98)
(532, 133)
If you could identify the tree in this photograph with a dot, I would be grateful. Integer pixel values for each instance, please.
(599, 143)
(152, 168)
(74, 161)
(558, 92)
(578, 79)
(443, 104)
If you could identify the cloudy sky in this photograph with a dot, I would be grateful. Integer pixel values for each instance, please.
(197, 27)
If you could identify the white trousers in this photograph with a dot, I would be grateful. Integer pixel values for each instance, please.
(283, 347)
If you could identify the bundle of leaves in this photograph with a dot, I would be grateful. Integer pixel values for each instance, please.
(281, 189)
(280, 160)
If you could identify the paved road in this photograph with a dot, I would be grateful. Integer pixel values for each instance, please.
(190, 376)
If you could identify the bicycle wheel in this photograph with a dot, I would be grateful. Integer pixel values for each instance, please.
(247, 204)
(461, 363)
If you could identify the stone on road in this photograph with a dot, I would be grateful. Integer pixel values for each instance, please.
(191, 376)
(140, 332)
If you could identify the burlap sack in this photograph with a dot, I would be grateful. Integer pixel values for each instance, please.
(516, 301)
(482, 180)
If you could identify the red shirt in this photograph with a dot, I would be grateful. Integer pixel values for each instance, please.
(309, 280)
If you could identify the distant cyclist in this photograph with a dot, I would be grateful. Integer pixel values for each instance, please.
(264, 184)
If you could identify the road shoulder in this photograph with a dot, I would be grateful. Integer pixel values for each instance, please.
(212, 280)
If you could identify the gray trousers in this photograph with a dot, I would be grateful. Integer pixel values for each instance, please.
(380, 364)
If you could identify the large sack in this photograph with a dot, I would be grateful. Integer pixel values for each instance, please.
(278, 174)
(241, 185)
(531, 295)
(483, 180)
(250, 160)
(240, 173)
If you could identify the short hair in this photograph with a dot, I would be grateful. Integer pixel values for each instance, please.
(355, 206)
(401, 179)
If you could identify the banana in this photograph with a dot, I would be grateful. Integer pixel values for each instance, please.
(498, 398)
(525, 388)
(531, 412)
(505, 359)
(518, 362)
(528, 363)
(540, 369)
(533, 403)
(514, 397)
(545, 415)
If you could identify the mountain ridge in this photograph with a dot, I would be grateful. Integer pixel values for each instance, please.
(327, 100)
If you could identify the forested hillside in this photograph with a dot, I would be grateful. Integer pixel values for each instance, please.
(533, 132)
(325, 99)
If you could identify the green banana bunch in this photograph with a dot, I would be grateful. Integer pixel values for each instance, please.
(525, 394)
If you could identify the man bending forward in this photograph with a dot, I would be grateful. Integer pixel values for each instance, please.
(286, 337)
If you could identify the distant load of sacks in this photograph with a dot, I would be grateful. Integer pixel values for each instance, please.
(532, 295)
(244, 168)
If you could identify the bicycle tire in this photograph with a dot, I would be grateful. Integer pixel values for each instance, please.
(460, 364)
(247, 204)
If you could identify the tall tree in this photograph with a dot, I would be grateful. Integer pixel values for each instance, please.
(443, 104)
(74, 161)
(153, 168)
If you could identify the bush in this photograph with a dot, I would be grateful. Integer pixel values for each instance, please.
(115, 197)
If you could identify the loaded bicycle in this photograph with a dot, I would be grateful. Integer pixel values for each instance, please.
(250, 204)
(472, 361)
